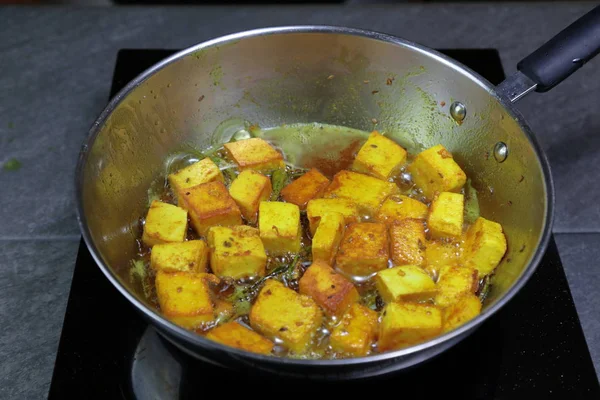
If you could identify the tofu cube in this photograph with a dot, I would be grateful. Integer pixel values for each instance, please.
(364, 249)
(256, 154)
(281, 312)
(327, 238)
(184, 297)
(309, 186)
(406, 324)
(380, 157)
(434, 171)
(485, 245)
(356, 332)
(439, 253)
(455, 282)
(397, 208)
(236, 335)
(210, 204)
(404, 283)
(236, 252)
(408, 242)
(330, 290)
(248, 190)
(200, 172)
(191, 255)
(446, 216)
(315, 209)
(164, 223)
(280, 228)
(462, 311)
(367, 192)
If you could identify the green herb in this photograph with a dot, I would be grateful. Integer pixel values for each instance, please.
(471, 212)
(278, 181)
(370, 300)
(138, 272)
(12, 165)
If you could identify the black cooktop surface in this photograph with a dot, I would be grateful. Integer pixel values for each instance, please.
(533, 348)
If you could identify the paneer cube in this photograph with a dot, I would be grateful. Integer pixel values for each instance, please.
(184, 297)
(309, 186)
(191, 255)
(453, 283)
(408, 242)
(236, 252)
(256, 154)
(397, 208)
(165, 223)
(462, 311)
(236, 335)
(446, 215)
(315, 209)
(407, 324)
(210, 204)
(200, 172)
(327, 238)
(485, 245)
(364, 249)
(248, 190)
(404, 283)
(367, 192)
(380, 157)
(281, 312)
(280, 227)
(356, 332)
(439, 253)
(434, 170)
(330, 290)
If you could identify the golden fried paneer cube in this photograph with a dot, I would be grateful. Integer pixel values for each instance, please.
(484, 247)
(210, 204)
(407, 324)
(404, 283)
(281, 312)
(195, 174)
(462, 311)
(256, 154)
(454, 282)
(364, 249)
(310, 185)
(439, 253)
(330, 290)
(408, 242)
(380, 157)
(356, 332)
(367, 192)
(237, 335)
(191, 255)
(316, 208)
(280, 227)
(327, 238)
(399, 207)
(435, 170)
(236, 252)
(184, 297)
(164, 223)
(446, 215)
(248, 190)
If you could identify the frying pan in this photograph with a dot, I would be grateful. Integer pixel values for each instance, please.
(335, 75)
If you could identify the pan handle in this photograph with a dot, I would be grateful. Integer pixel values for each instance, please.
(556, 59)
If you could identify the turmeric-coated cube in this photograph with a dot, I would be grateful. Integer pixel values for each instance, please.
(248, 190)
(256, 154)
(280, 227)
(364, 249)
(164, 223)
(199, 172)
(281, 312)
(236, 335)
(236, 252)
(191, 255)
(310, 185)
(327, 238)
(454, 282)
(485, 245)
(332, 291)
(439, 253)
(407, 238)
(399, 207)
(462, 311)
(407, 324)
(435, 170)
(356, 332)
(380, 157)
(210, 204)
(316, 208)
(446, 215)
(405, 282)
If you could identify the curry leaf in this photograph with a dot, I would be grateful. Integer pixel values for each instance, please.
(471, 212)
(278, 181)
